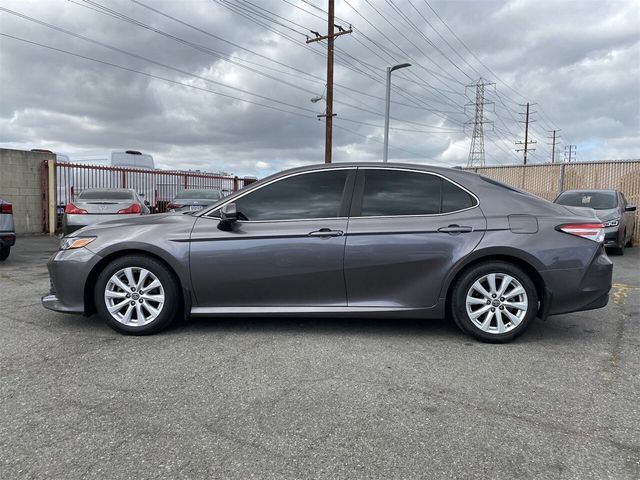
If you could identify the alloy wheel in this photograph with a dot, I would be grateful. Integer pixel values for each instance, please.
(496, 303)
(134, 296)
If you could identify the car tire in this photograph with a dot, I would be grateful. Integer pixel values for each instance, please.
(137, 295)
(4, 253)
(507, 315)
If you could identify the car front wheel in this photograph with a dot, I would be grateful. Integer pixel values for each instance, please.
(494, 301)
(137, 295)
(4, 253)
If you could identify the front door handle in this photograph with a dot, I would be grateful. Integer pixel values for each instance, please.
(326, 232)
(456, 229)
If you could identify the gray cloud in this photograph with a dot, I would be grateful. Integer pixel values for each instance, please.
(579, 60)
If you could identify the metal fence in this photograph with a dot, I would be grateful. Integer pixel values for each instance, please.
(549, 180)
(158, 187)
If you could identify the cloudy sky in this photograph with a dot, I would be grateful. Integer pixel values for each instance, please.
(225, 85)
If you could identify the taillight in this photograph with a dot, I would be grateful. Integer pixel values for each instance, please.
(133, 208)
(6, 208)
(592, 231)
(71, 209)
(173, 206)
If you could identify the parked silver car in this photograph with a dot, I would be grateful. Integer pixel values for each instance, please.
(7, 229)
(349, 239)
(611, 207)
(95, 205)
(193, 200)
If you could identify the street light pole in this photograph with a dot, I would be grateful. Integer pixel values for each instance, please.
(385, 156)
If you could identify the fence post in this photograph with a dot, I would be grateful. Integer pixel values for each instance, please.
(186, 181)
(561, 181)
(53, 197)
(124, 179)
(44, 191)
(235, 183)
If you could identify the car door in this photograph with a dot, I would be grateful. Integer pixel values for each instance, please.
(288, 250)
(407, 229)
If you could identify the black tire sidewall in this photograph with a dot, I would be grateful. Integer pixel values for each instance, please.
(4, 253)
(170, 285)
(459, 293)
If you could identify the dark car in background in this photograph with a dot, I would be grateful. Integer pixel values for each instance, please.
(352, 239)
(194, 200)
(95, 205)
(613, 210)
(7, 229)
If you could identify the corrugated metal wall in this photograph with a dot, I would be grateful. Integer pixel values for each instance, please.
(547, 181)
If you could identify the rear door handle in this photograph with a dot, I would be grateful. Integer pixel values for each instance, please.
(326, 232)
(456, 229)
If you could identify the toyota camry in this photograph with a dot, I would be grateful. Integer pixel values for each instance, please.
(343, 240)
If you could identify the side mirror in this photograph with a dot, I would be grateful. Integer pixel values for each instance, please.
(229, 213)
(630, 208)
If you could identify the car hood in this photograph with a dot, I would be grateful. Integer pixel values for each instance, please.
(141, 222)
(608, 214)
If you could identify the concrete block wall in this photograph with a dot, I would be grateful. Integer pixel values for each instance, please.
(20, 184)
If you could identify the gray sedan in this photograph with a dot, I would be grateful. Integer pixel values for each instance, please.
(7, 229)
(353, 239)
(194, 200)
(95, 205)
(612, 208)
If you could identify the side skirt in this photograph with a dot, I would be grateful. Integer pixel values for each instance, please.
(380, 312)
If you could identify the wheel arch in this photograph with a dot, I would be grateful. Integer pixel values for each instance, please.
(521, 259)
(89, 286)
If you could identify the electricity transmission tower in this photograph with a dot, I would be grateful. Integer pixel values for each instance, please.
(570, 153)
(329, 37)
(554, 142)
(526, 149)
(476, 152)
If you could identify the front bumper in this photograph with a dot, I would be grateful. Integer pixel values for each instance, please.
(7, 239)
(69, 272)
(612, 236)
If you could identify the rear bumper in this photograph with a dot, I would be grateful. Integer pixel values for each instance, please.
(7, 239)
(579, 289)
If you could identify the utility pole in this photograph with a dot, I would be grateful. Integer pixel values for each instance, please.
(329, 37)
(476, 152)
(570, 152)
(553, 144)
(526, 142)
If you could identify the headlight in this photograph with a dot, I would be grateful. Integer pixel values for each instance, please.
(611, 223)
(68, 243)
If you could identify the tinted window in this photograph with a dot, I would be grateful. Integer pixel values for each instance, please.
(395, 192)
(105, 195)
(312, 195)
(454, 198)
(594, 199)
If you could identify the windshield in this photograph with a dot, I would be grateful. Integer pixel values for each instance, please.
(105, 195)
(199, 194)
(597, 200)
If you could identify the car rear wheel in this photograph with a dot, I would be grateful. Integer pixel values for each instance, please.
(4, 253)
(137, 295)
(494, 301)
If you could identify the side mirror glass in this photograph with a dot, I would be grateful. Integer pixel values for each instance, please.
(630, 208)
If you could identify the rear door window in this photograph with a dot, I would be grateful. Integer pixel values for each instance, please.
(399, 192)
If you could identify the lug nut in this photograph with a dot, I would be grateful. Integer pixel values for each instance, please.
(133, 289)
(133, 303)
(501, 307)
(128, 295)
(488, 302)
(493, 309)
(502, 299)
(141, 301)
(493, 295)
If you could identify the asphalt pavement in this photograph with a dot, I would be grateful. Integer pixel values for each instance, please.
(302, 398)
